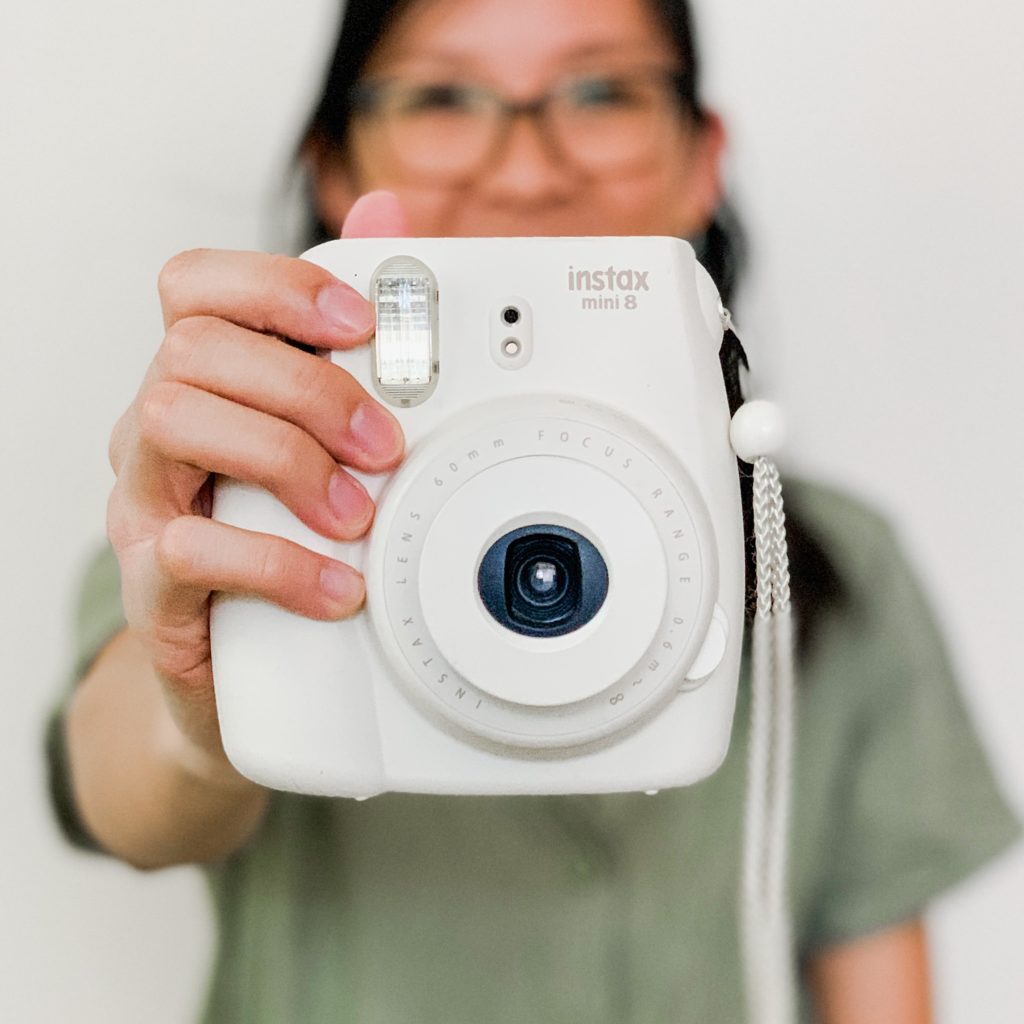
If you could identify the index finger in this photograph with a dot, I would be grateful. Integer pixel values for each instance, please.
(270, 294)
(279, 295)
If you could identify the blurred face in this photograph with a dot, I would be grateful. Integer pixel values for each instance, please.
(493, 118)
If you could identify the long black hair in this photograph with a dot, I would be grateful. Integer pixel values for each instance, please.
(817, 589)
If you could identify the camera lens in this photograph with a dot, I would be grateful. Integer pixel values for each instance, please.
(510, 315)
(543, 580)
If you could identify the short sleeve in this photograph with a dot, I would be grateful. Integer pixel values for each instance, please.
(98, 617)
(916, 806)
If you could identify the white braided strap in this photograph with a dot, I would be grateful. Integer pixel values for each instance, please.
(768, 952)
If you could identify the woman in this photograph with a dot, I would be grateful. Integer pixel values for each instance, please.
(412, 908)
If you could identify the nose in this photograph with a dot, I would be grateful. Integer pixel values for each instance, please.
(527, 165)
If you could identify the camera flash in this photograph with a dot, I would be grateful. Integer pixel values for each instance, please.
(405, 349)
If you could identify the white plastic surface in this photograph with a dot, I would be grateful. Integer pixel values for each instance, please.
(543, 671)
(716, 642)
(422, 692)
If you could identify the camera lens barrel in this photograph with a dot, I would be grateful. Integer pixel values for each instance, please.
(543, 580)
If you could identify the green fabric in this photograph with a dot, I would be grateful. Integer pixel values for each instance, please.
(620, 908)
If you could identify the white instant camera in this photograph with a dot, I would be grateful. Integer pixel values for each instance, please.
(555, 573)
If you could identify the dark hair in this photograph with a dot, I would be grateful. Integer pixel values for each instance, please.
(721, 248)
(817, 587)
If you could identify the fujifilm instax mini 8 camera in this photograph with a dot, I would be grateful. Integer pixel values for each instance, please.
(555, 573)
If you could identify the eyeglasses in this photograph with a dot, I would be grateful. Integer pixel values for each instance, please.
(605, 124)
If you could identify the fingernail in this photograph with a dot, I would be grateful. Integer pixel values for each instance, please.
(350, 503)
(376, 431)
(343, 584)
(345, 309)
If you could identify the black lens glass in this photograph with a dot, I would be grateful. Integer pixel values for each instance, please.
(542, 581)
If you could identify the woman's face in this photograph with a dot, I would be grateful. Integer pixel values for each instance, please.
(538, 175)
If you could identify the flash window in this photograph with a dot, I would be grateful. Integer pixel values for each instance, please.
(405, 347)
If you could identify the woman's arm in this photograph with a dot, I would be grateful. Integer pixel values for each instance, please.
(880, 979)
(144, 791)
(223, 395)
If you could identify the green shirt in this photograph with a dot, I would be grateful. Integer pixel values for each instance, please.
(619, 908)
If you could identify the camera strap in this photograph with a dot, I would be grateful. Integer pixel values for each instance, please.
(767, 939)
(768, 954)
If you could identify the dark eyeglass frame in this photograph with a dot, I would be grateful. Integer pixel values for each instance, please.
(365, 97)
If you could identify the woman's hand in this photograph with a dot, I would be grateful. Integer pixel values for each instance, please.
(225, 395)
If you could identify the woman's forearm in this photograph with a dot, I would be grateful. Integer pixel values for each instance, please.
(145, 792)
(878, 979)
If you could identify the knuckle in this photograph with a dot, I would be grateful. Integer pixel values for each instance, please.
(157, 409)
(314, 384)
(180, 343)
(276, 269)
(273, 568)
(115, 446)
(176, 271)
(174, 549)
(280, 263)
(300, 277)
(287, 450)
(118, 532)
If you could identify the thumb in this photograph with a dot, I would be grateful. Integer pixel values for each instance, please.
(376, 215)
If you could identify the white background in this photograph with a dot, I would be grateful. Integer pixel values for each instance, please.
(877, 158)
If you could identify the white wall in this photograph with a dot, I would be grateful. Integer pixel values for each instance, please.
(877, 158)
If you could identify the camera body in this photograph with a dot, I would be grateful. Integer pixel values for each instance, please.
(555, 573)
